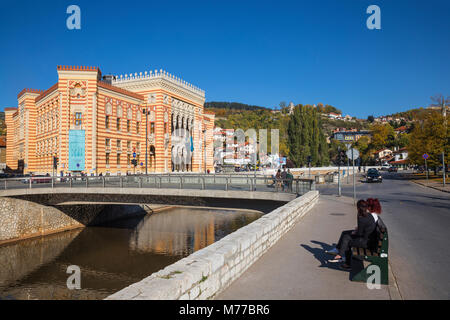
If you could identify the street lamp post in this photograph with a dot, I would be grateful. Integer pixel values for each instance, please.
(348, 145)
(354, 184)
(146, 138)
(204, 149)
(339, 171)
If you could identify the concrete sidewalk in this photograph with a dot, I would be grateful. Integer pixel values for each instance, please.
(296, 266)
(434, 185)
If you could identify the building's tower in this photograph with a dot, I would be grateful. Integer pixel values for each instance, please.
(25, 131)
(11, 152)
(77, 87)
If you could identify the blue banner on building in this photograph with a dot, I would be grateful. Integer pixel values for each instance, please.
(76, 150)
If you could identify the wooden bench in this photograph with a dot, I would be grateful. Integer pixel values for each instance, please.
(375, 254)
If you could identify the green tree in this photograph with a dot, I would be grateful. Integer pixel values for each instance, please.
(402, 140)
(335, 145)
(306, 138)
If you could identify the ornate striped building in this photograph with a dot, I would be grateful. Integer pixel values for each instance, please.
(97, 125)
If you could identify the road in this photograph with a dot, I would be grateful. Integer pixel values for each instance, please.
(418, 220)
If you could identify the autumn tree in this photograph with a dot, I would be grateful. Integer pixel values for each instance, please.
(430, 136)
(365, 149)
(381, 135)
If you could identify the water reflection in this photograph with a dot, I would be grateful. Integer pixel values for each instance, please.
(112, 256)
(182, 231)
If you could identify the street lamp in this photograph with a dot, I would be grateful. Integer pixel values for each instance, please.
(204, 148)
(146, 112)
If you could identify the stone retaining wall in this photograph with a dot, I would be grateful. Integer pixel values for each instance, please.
(206, 272)
(22, 219)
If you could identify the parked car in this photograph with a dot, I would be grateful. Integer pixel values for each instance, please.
(392, 169)
(384, 167)
(373, 176)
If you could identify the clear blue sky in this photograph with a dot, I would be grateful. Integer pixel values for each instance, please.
(255, 52)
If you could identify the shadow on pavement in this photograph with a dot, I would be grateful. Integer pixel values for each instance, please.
(321, 255)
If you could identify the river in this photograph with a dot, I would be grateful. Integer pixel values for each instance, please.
(111, 256)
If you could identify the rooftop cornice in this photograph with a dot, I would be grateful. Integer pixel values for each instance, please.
(28, 90)
(156, 75)
(46, 92)
(135, 95)
(78, 68)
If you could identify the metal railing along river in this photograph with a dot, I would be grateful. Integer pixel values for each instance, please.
(262, 183)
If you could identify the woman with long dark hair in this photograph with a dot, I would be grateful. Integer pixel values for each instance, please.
(354, 238)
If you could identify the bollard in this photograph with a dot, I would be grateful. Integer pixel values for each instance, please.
(52, 183)
(159, 182)
(203, 183)
(226, 184)
(103, 181)
(181, 182)
(87, 184)
(70, 182)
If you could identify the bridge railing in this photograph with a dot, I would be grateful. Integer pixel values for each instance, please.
(179, 181)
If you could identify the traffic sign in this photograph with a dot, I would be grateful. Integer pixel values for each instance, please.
(425, 156)
(352, 155)
(134, 154)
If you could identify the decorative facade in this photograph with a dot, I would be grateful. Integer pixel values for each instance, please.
(96, 125)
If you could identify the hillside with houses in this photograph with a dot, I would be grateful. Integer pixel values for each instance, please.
(383, 140)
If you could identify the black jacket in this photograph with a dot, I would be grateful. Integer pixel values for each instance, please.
(366, 227)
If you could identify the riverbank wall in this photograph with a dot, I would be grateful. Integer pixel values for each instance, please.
(207, 272)
(21, 219)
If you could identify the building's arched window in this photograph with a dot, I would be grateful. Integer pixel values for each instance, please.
(152, 157)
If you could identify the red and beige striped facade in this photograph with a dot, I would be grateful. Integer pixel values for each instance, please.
(113, 115)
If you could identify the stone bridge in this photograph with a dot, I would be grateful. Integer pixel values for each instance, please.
(36, 206)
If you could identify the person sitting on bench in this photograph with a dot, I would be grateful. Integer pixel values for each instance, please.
(375, 209)
(357, 238)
